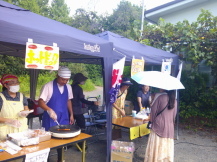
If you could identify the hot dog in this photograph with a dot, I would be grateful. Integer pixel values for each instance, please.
(32, 66)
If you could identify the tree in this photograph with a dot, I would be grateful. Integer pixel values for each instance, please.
(192, 42)
(122, 21)
(59, 11)
(31, 5)
(87, 21)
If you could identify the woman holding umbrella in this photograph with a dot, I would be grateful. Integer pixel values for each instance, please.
(160, 145)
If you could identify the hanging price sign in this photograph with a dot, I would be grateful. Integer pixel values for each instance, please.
(40, 56)
(137, 66)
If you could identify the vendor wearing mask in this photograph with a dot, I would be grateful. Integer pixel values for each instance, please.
(13, 107)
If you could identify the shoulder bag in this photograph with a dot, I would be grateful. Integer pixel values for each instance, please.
(150, 123)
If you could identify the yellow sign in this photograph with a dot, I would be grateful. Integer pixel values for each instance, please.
(40, 56)
(134, 132)
(137, 66)
(144, 130)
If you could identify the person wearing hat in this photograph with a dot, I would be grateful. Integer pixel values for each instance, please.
(78, 99)
(118, 107)
(55, 99)
(13, 107)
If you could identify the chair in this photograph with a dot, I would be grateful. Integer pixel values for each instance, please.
(38, 112)
(94, 117)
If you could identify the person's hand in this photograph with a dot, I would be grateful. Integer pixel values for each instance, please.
(71, 120)
(13, 123)
(123, 112)
(96, 103)
(24, 113)
(52, 114)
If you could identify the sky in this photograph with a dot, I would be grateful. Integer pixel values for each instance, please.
(107, 6)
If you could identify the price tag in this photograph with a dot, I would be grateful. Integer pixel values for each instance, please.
(41, 155)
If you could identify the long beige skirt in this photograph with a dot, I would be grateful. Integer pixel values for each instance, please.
(159, 149)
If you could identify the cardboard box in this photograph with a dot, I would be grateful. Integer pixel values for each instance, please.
(45, 137)
(121, 157)
(122, 151)
(128, 107)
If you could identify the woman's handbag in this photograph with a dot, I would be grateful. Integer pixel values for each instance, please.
(150, 123)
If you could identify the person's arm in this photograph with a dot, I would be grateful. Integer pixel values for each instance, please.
(139, 100)
(69, 105)
(120, 110)
(3, 120)
(11, 122)
(52, 114)
(88, 102)
(25, 103)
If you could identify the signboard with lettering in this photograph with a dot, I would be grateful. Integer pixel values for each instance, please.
(166, 67)
(137, 66)
(40, 56)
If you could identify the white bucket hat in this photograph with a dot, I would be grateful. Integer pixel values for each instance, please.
(64, 72)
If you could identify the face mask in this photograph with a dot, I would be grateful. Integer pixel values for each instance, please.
(14, 89)
(82, 83)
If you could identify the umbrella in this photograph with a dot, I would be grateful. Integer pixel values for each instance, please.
(158, 79)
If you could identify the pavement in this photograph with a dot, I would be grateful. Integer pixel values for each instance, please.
(191, 146)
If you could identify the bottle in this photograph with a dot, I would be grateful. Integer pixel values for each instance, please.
(99, 100)
(148, 111)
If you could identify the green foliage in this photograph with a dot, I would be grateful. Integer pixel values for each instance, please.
(87, 21)
(197, 100)
(191, 41)
(76, 68)
(59, 11)
(98, 82)
(123, 18)
(88, 86)
(12, 65)
(94, 73)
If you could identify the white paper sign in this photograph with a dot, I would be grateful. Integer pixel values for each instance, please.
(38, 156)
(166, 67)
(39, 56)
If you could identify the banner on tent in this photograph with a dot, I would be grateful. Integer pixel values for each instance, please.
(40, 56)
(166, 67)
(117, 72)
(137, 66)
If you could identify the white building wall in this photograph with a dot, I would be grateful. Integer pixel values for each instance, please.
(191, 14)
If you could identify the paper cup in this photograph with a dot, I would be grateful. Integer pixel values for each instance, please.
(133, 113)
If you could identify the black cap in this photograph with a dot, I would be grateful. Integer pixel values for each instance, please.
(126, 81)
(79, 77)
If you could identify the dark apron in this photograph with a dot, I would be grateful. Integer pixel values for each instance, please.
(58, 103)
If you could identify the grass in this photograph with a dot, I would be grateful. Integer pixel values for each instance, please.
(43, 79)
